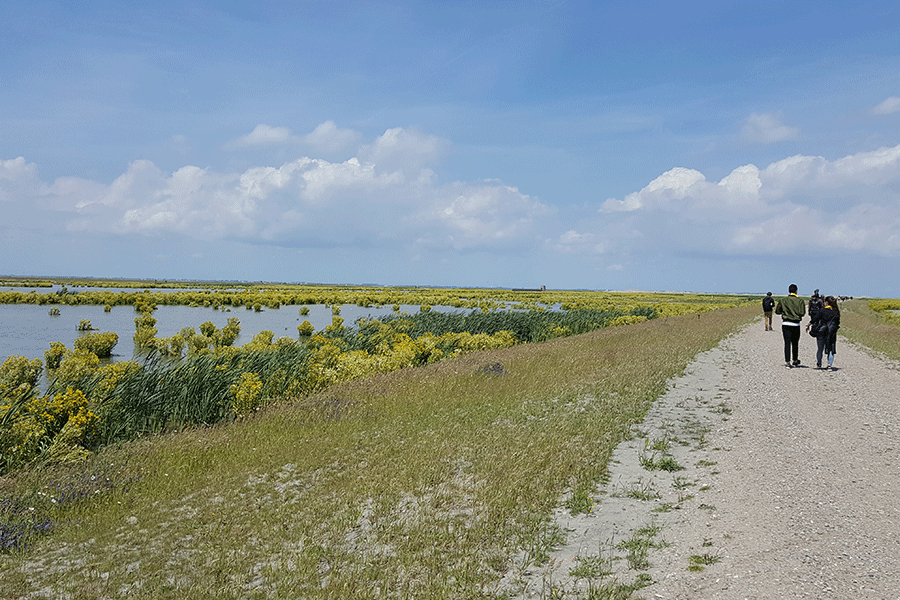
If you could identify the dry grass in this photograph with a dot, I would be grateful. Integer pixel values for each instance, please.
(424, 483)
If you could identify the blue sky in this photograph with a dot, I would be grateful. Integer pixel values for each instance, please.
(696, 146)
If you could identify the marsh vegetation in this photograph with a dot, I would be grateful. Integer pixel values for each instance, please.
(428, 481)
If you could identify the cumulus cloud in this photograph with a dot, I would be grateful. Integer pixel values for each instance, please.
(262, 135)
(767, 128)
(19, 180)
(888, 107)
(675, 184)
(307, 202)
(388, 197)
(489, 214)
(848, 204)
(328, 137)
(403, 150)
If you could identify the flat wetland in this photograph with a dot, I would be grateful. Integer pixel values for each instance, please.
(440, 481)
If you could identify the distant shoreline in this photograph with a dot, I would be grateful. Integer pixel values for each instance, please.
(43, 281)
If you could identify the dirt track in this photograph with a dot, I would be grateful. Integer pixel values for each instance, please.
(790, 486)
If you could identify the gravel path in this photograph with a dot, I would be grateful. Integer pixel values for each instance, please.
(789, 488)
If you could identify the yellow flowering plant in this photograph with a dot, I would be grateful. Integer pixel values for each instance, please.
(17, 371)
(100, 344)
(61, 425)
(305, 329)
(75, 366)
(55, 354)
(246, 394)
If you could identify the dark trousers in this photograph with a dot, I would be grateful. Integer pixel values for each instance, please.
(791, 335)
(820, 347)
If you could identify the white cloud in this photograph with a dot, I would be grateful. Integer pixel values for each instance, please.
(328, 137)
(675, 184)
(491, 214)
(808, 202)
(888, 107)
(801, 203)
(630, 203)
(767, 128)
(304, 202)
(262, 135)
(322, 178)
(402, 149)
(876, 170)
(742, 183)
(18, 179)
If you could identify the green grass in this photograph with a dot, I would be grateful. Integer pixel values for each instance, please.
(698, 562)
(424, 483)
(638, 546)
(877, 331)
(655, 462)
(592, 567)
(642, 491)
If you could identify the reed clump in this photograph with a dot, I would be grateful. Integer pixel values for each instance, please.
(195, 378)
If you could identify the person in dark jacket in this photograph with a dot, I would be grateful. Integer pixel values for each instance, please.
(815, 304)
(792, 309)
(825, 324)
(768, 306)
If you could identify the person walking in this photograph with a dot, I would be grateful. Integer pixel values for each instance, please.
(824, 326)
(768, 304)
(791, 310)
(815, 304)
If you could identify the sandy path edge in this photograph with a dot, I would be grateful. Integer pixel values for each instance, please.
(789, 487)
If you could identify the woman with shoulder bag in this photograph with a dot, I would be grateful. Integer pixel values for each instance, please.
(824, 327)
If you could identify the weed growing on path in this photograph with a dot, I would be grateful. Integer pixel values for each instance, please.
(699, 562)
(592, 567)
(642, 491)
(638, 546)
(654, 462)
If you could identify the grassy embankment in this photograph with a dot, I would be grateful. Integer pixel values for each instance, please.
(878, 330)
(424, 483)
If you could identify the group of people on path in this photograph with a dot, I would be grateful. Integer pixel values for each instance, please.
(824, 322)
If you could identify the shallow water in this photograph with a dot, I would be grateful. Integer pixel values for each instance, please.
(27, 329)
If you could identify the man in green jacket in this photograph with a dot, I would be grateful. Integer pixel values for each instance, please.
(791, 310)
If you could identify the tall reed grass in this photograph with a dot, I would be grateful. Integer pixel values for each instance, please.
(529, 326)
(166, 394)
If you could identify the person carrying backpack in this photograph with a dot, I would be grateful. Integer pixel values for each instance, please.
(815, 304)
(768, 304)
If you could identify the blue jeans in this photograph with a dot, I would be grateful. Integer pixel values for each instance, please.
(822, 347)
